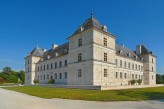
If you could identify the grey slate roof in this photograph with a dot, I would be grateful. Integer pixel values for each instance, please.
(37, 52)
(124, 51)
(90, 23)
(57, 52)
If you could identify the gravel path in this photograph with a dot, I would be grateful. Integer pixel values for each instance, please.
(15, 100)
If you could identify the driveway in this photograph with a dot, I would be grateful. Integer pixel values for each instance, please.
(15, 100)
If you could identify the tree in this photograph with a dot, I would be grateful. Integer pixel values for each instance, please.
(159, 79)
(21, 75)
(7, 69)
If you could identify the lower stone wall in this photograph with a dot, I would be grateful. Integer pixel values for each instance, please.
(128, 87)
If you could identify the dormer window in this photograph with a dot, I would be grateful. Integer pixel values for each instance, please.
(104, 28)
(48, 57)
(129, 54)
(56, 54)
(81, 28)
(121, 52)
(135, 57)
(142, 59)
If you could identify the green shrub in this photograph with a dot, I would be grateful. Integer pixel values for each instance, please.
(51, 81)
(139, 81)
(36, 81)
(133, 82)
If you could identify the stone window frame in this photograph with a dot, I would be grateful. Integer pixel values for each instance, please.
(116, 74)
(105, 72)
(120, 63)
(125, 75)
(105, 57)
(116, 61)
(79, 57)
(120, 75)
(80, 42)
(79, 73)
(105, 42)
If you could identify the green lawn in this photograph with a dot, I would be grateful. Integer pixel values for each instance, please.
(92, 95)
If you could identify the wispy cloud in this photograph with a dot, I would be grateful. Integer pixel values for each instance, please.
(10, 61)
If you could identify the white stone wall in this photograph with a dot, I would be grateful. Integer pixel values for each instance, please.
(51, 72)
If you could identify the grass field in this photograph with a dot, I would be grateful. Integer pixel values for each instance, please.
(92, 95)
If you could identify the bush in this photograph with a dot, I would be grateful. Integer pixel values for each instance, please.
(2, 80)
(36, 81)
(133, 82)
(139, 81)
(51, 81)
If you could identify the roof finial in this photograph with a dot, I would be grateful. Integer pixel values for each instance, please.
(91, 15)
(37, 46)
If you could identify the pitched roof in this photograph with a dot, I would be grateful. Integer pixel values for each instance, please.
(57, 52)
(126, 52)
(90, 23)
(37, 52)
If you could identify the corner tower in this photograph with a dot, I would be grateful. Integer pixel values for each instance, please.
(149, 64)
(30, 64)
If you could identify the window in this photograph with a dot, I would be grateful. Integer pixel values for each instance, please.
(120, 63)
(47, 76)
(105, 57)
(120, 74)
(105, 73)
(152, 60)
(116, 63)
(116, 74)
(51, 65)
(152, 77)
(47, 66)
(60, 75)
(79, 57)
(139, 68)
(38, 77)
(136, 76)
(44, 67)
(125, 64)
(80, 42)
(125, 75)
(38, 68)
(132, 66)
(132, 76)
(60, 64)
(65, 62)
(152, 69)
(28, 69)
(56, 76)
(79, 73)
(44, 77)
(28, 61)
(65, 75)
(41, 68)
(136, 66)
(129, 65)
(55, 64)
(105, 42)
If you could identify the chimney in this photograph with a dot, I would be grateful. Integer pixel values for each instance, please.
(54, 46)
(138, 49)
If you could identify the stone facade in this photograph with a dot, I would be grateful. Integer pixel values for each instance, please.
(91, 57)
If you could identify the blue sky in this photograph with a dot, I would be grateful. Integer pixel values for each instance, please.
(24, 23)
